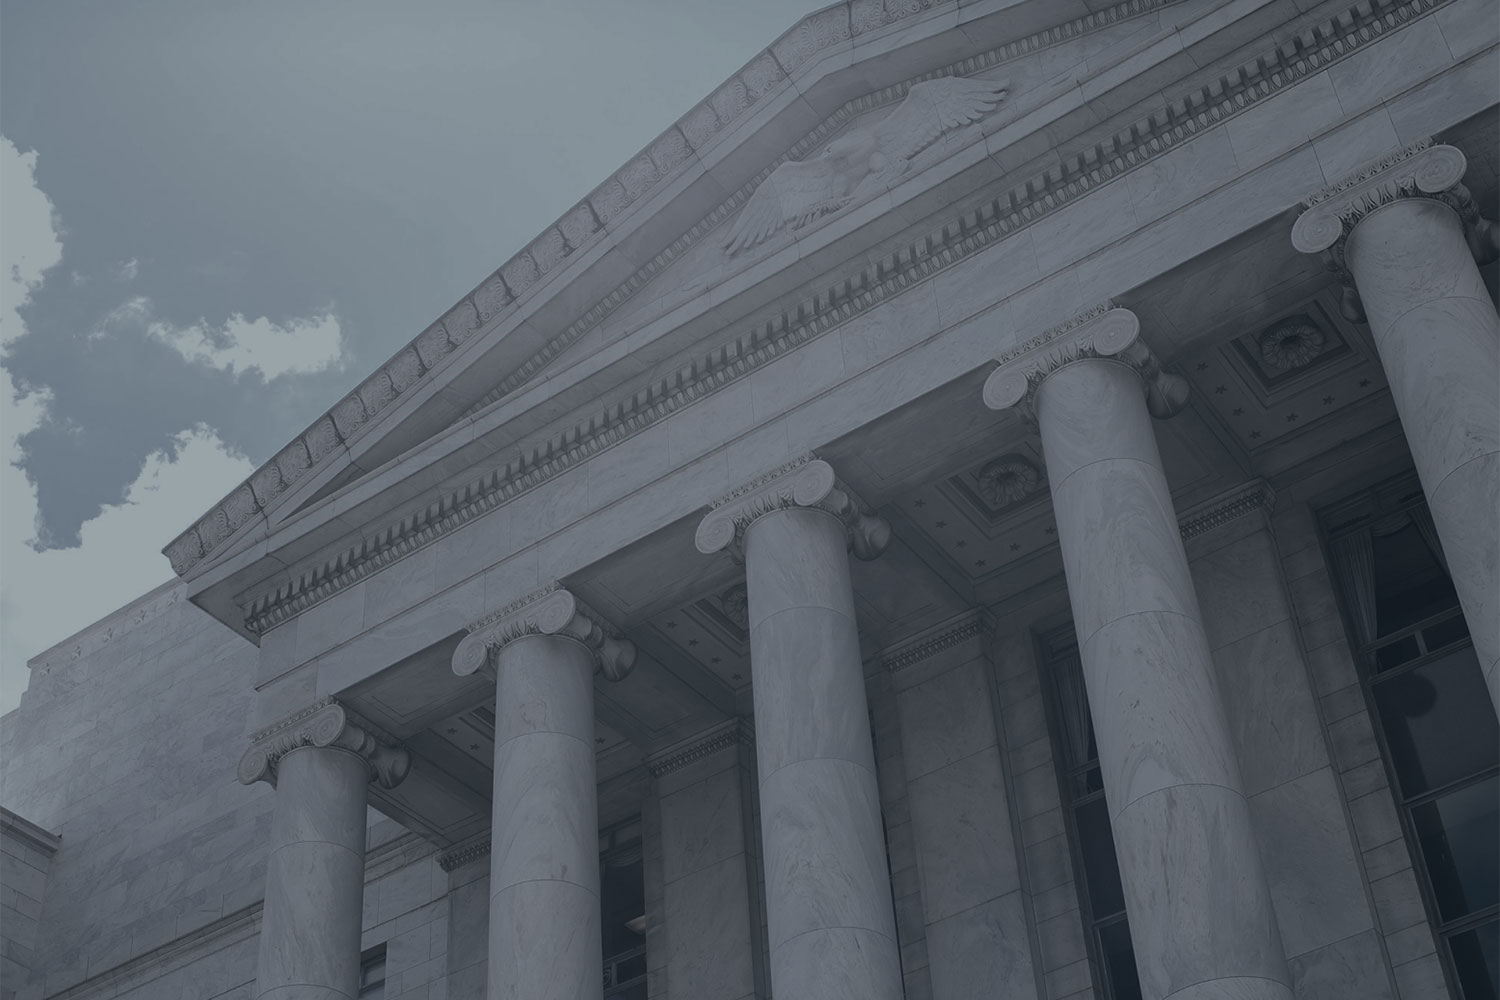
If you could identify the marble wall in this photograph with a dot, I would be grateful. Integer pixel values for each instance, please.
(25, 858)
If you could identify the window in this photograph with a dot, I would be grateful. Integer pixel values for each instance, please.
(372, 973)
(1432, 715)
(622, 893)
(1100, 893)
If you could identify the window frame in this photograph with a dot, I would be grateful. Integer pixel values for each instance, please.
(1355, 513)
(1050, 644)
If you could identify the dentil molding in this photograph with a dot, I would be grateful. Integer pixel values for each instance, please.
(324, 723)
(735, 732)
(1105, 331)
(972, 229)
(549, 611)
(804, 482)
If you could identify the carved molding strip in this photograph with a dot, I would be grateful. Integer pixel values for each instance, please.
(549, 611)
(1227, 506)
(902, 656)
(803, 482)
(754, 346)
(584, 224)
(1104, 331)
(18, 827)
(735, 732)
(473, 849)
(324, 723)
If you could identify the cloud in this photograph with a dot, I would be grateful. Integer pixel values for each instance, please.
(126, 270)
(46, 595)
(240, 346)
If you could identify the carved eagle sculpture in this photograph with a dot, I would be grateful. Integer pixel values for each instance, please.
(799, 191)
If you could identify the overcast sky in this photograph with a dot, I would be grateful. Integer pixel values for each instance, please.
(215, 218)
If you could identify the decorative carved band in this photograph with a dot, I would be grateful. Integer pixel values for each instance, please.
(969, 231)
(324, 723)
(473, 849)
(1237, 502)
(1105, 331)
(550, 611)
(804, 482)
(721, 737)
(946, 637)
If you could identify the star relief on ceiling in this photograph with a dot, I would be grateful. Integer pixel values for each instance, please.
(863, 161)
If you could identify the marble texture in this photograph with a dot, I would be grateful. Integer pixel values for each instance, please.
(832, 931)
(315, 878)
(1195, 888)
(544, 855)
(1435, 329)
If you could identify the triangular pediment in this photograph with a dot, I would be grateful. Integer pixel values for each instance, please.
(624, 294)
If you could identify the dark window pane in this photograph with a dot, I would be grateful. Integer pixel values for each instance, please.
(1446, 633)
(1476, 959)
(1087, 782)
(1410, 584)
(1458, 833)
(1100, 869)
(1119, 961)
(1439, 722)
(622, 891)
(1399, 652)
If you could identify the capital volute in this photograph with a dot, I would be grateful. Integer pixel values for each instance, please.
(324, 723)
(1421, 170)
(553, 611)
(1105, 331)
(804, 482)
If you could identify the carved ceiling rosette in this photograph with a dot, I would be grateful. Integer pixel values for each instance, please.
(1008, 480)
(1292, 343)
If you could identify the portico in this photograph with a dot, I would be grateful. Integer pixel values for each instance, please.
(739, 521)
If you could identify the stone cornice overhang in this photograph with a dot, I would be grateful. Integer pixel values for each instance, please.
(323, 575)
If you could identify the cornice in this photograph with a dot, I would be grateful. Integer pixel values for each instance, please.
(473, 849)
(1234, 503)
(324, 723)
(549, 611)
(729, 734)
(755, 345)
(803, 482)
(1104, 331)
(944, 637)
(37, 838)
(583, 226)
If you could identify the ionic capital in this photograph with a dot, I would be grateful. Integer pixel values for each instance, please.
(550, 611)
(1105, 331)
(324, 723)
(1422, 170)
(805, 482)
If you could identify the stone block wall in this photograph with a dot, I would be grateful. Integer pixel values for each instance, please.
(25, 858)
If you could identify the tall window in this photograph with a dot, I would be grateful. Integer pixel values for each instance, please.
(622, 898)
(1101, 896)
(1433, 717)
(372, 973)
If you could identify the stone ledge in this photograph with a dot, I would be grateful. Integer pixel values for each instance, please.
(24, 830)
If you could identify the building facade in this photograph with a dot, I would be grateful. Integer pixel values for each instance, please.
(999, 500)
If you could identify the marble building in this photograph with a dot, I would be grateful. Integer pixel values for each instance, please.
(998, 501)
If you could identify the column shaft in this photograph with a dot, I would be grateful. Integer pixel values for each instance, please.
(315, 878)
(1200, 910)
(544, 935)
(831, 927)
(1435, 327)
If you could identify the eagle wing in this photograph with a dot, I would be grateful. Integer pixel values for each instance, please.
(795, 193)
(935, 107)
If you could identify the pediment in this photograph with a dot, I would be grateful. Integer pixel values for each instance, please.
(643, 260)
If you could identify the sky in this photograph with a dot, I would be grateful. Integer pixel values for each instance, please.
(216, 218)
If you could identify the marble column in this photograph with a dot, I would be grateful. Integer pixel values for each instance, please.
(1406, 231)
(321, 761)
(832, 931)
(544, 936)
(1199, 905)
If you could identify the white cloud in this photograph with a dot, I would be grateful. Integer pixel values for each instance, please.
(126, 270)
(31, 245)
(48, 595)
(298, 347)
